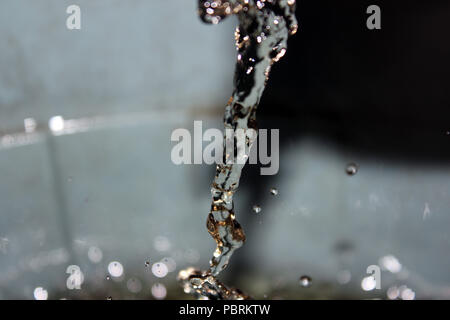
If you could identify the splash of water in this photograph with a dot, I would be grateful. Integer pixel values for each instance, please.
(261, 40)
(203, 284)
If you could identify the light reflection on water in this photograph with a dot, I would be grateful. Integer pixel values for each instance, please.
(278, 288)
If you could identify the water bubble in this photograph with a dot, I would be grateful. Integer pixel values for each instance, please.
(160, 270)
(162, 244)
(305, 281)
(390, 263)
(274, 191)
(256, 209)
(352, 169)
(115, 269)
(407, 294)
(344, 277)
(393, 293)
(56, 124)
(95, 254)
(170, 263)
(368, 283)
(134, 285)
(159, 291)
(40, 293)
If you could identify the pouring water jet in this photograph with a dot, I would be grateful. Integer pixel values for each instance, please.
(261, 40)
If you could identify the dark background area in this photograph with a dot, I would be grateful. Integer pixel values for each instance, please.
(379, 91)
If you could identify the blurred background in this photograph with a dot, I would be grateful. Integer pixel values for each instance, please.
(89, 195)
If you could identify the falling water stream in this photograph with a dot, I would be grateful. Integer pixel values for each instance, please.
(261, 40)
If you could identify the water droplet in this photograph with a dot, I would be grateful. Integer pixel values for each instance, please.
(256, 209)
(56, 124)
(406, 293)
(40, 293)
(109, 298)
(170, 263)
(274, 191)
(393, 293)
(368, 283)
(134, 285)
(162, 244)
(115, 269)
(108, 278)
(147, 263)
(352, 169)
(159, 291)
(95, 254)
(390, 263)
(305, 281)
(160, 270)
(344, 277)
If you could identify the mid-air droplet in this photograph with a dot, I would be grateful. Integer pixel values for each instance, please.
(305, 281)
(352, 169)
(256, 209)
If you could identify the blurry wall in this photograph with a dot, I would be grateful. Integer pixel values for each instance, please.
(129, 56)
(134, 72)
